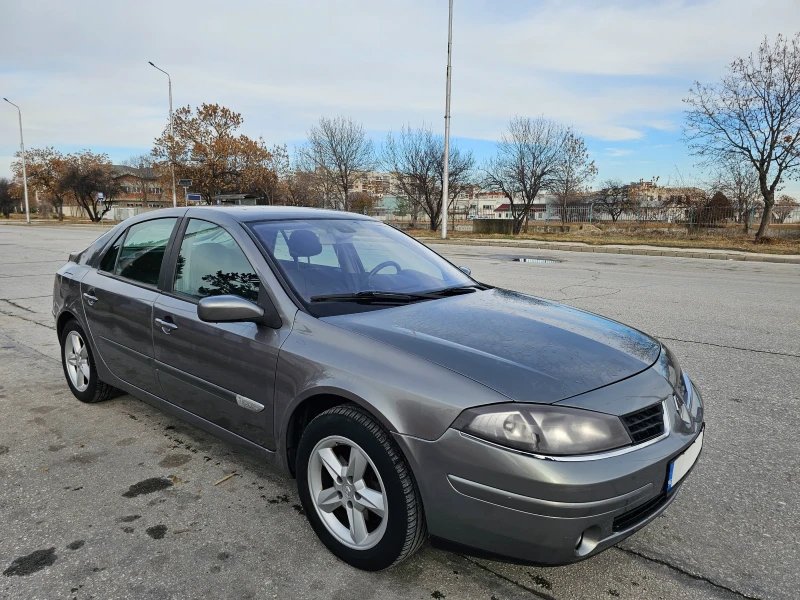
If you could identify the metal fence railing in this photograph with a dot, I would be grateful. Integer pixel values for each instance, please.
(675, 219)
(690, 216)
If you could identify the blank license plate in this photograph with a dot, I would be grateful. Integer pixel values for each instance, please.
(679, 467)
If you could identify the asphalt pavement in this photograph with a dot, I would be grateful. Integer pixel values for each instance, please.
(117, 500)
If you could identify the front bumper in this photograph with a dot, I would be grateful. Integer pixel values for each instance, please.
(484, 499)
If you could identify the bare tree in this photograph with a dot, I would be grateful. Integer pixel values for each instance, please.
(340, 151)
(614, 198)
(573, 172)
(525, 163)
(416, 158)
(739, 182)
(753, 114)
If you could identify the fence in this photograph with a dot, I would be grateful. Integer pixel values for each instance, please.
(692, 217)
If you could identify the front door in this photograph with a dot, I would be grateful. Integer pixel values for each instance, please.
(118, 300)
(222, 372)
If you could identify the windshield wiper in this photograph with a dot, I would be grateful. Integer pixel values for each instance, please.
(371, 297)
(395, 297)
(453, 291)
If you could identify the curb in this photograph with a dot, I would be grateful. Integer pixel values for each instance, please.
(670, 252)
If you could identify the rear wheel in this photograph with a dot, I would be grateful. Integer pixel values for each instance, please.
(79, 367)
(357, 489)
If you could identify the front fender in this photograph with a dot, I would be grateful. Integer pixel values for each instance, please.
(407, 394)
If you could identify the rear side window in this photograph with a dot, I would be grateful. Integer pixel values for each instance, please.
(211, 263)
(110, 257)
(142, 252)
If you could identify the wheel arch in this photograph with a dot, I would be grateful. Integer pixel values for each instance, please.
(305, 408)
(65, 317)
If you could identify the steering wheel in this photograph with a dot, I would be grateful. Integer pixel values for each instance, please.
(383, 265)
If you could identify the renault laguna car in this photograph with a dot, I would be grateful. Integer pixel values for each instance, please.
(407, 399)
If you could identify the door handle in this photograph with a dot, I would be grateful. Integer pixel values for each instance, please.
(166, 326)
(90, 298)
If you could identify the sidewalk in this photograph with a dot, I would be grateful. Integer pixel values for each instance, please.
(645, 250)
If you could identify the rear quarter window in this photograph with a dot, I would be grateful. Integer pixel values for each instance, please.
(142, 251)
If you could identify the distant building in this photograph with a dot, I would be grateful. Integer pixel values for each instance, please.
(236, 199)
(140, 188)
(504, 211)
(373, 183)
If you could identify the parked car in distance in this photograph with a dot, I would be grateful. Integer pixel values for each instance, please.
(407, 399)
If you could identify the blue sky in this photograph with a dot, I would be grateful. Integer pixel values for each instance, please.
(615, 71)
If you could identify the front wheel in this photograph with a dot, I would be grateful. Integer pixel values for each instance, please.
(79, 368)
(357, 489)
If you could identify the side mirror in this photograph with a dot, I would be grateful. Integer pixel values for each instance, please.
(466, 270)
(233, 309)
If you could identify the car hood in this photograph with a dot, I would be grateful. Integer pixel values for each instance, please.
(526, 348)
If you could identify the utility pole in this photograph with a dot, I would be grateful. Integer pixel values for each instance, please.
(446, 176)
(24, 174)
(171, 136)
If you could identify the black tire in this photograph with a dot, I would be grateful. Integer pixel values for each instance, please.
(405, 530)
(96, 390)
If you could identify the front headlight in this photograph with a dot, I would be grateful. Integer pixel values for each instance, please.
(544, 429)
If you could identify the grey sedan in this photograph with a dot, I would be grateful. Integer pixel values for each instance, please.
(407, 399)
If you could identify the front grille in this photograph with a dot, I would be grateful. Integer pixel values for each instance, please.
(640, 513)
(645, 424)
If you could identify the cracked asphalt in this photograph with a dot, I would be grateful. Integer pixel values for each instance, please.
(116, 500)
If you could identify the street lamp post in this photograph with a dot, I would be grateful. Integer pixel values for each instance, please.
(24, 173)
(171, 135)
(446, 175)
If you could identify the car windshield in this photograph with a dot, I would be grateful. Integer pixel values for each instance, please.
(325, 257)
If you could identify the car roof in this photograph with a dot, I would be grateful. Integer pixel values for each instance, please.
(274, 213)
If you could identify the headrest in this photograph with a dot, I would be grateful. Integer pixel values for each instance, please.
(304, 242)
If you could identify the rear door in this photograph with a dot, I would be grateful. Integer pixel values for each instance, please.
(222, 372)
(118, 300)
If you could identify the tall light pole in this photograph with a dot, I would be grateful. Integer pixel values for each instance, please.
(171, 135)
(446, 176)
(24, 174)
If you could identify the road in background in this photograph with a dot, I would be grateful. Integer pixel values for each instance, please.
(73, 527)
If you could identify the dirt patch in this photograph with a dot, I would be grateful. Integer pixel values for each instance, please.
(156, 532)
(85, 459)
(129, 518)
(35, 561)
(148, 486)
(175, 460)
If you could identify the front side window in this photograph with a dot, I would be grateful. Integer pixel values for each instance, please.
(340, 256)
(211, 263)
(142, 251)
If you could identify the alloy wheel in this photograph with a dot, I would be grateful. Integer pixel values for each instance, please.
(347, 492)
(76, 357)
